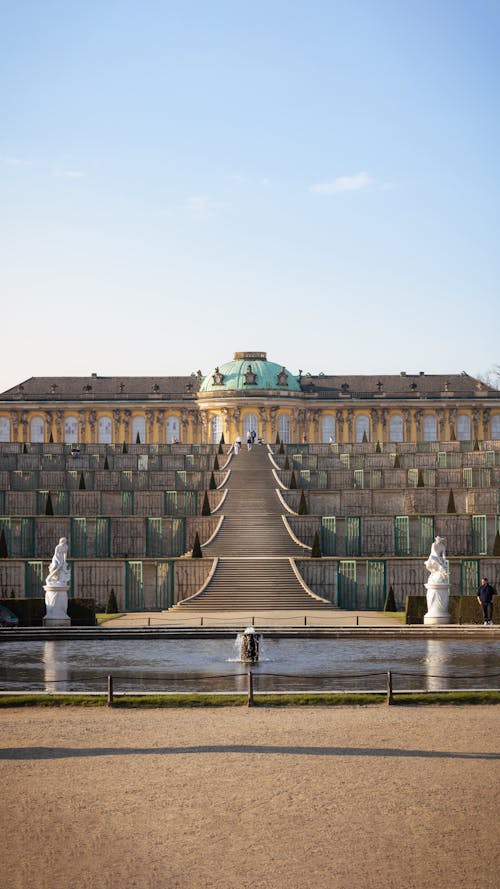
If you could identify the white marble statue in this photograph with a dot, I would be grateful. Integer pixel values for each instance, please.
(58, 568)
(438, 584)
(56, 587)
(436, 563)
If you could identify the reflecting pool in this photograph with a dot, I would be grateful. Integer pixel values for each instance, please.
(164, 665)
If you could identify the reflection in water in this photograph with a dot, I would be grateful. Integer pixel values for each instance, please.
(55, 667)
(160, 665)
(435, 665)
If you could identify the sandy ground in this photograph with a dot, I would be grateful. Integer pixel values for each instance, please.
(343, 797)
(335, 617)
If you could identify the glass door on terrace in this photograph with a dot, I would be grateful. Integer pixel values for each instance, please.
(172, 429)
(250, 424)
(284, 428)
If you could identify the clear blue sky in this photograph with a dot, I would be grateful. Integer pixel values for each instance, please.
(180, 180)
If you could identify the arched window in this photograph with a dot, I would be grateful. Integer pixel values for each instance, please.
(104, 430)
(138, 430)
(37, 429)
(284, 428)
(250, 423)
(216, 428)
(4, 429)
(70, 430)
(463, 427)
(172, 429)
(430, 427)
(495, 426)
(328, 428)
(396, 428)
(362, 427)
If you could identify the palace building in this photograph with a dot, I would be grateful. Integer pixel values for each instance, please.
(250, 393)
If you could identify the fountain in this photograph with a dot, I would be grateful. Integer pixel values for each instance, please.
(249, 642)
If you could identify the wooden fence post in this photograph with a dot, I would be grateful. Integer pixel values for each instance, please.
(250, 688)
(390, 699)
(110, 691)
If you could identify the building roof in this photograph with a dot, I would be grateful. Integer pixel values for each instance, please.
(98, 388)
(249, 372)
(402, 385)
(250, 375)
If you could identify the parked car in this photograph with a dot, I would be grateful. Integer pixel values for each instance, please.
(8, 618)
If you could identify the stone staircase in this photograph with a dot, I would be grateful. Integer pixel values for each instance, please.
(253, 546)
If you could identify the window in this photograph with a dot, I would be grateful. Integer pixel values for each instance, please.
(328, 428)
(216, 428)
(37, 428)
(463, 427)
(70, 430)
(4, 429)
(284, 428)
(138, 430)
(172, 429)
(430, 427)
(250, 424)
(495, 426)
(396, 428)
(362, 427)
(104, 430)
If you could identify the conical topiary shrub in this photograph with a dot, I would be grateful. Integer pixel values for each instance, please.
(281, 449)
(111, 604)
(205, 509)
(378, 449)
(303, 510)
(476, 445)
(106, 464)
(397, 462)
(293, 480)
(25, 448)
(212, 484)
(222, 439)
(49, 509)
(364, 440)
(278, 438)
(4, 552)
(496, 545)
(196, 552)
(453, 437)
(390, 601)
(316, 548)
(286, 467)
(451, 508)
(124, 448)
(420, 479)
(221, 449)
(81, 485)
(138, 439)
(216, 464)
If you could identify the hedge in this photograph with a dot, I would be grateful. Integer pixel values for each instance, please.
(31, 612)
(463, 610)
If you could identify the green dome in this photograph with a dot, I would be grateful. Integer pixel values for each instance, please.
(249, 371)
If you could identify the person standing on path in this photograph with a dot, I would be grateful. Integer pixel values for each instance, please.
(485, 595)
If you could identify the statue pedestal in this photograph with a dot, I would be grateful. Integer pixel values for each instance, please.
(438, 595)
(56, 603)
(57, 622)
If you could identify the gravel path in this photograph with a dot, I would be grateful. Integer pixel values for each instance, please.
(339, 798)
